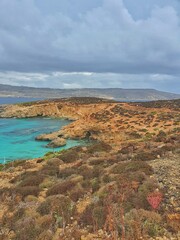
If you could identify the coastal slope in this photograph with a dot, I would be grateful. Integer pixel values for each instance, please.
(125, 178)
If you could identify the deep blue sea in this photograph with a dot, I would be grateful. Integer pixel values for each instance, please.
(17, 137)
(11, 100)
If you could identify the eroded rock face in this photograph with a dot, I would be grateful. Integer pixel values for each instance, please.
(2, 108)
(58, 142)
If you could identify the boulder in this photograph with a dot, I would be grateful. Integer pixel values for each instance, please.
(47, 137)
(58, 142)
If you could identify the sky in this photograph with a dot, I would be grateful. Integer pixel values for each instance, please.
(90, 44)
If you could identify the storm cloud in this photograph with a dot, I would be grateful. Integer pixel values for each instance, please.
(77, 43)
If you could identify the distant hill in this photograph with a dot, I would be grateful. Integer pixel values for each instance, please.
(110, 93)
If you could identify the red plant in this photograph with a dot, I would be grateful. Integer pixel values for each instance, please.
(154, 199)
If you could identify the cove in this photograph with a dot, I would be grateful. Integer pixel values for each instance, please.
(17, 137)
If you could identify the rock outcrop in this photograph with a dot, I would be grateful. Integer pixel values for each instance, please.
(58, 142)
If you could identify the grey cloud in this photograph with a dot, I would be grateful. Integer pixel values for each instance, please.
(105, 38)
(129, 42)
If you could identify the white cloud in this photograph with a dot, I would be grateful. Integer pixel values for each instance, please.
(93, 80)
(71, 85)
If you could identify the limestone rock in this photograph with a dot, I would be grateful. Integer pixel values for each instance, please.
(58, 142)
(47, 137)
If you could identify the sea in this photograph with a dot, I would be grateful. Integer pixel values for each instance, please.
(17, 136)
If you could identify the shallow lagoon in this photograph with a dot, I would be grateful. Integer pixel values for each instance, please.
(17, 137)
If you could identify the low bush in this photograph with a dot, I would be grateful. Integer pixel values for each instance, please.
(19, 214)
(90, 172)
(142, 224)
(54, 162)
(69, 156)
(99, 147)
(86, 171)
(94, 215)
(132, 166)
(33, 180)
(50, 170)
(135, 135)
(61, 188)
(47, 183)
(76, 193)
(28, 190)
(26, 229)
(106, 178)
(146, 156)
(99, 216)
(95, 183)
(63, 209)
(44, 208)
(127, 149)
(140, 199)
(45, 222)
(86, 218)
(86, 184)
(67, 172)
(46, 235)
(161, 136)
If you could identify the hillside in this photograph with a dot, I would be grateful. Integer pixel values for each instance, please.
(99, 191)
(110, 93)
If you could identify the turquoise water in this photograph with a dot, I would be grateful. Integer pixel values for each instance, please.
(17, 137)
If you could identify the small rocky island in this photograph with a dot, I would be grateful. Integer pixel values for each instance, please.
(106, 190)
